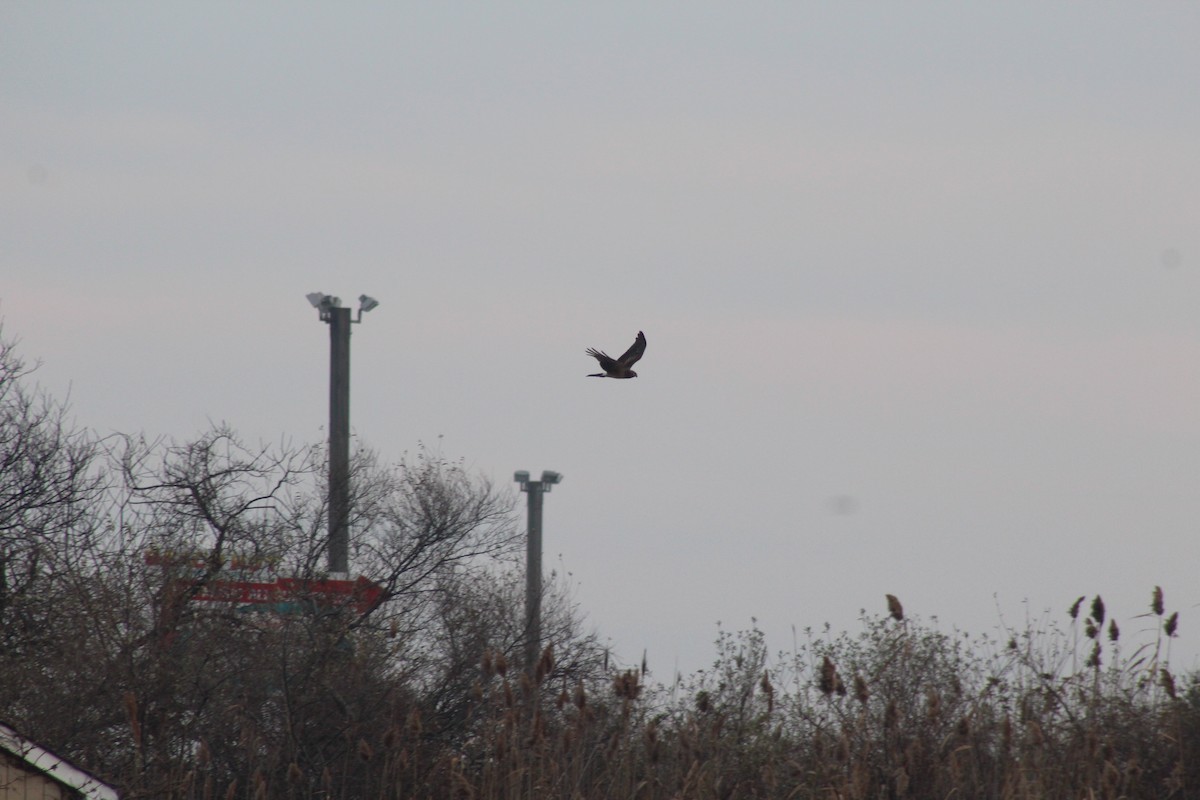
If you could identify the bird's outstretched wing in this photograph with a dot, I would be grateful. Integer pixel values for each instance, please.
(633, 353)
(607, 362)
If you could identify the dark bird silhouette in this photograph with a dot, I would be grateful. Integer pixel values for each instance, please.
(619, 367)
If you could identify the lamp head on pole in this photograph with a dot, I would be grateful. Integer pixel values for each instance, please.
(325, 303)
(548, 479)
(365, 303)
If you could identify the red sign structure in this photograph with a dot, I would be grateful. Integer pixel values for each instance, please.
(360, 594)
(236, 585)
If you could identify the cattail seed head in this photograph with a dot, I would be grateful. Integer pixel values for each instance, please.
(1098, 610)
(933, 705)
(861, 692)
(1074, 609)
(1172, 623)
(768, 690)
(1168, 682)
(828, 680)
(1156, 601)
(626, 685)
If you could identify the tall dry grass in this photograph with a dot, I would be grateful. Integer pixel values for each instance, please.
(898, 709)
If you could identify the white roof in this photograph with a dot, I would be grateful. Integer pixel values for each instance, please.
(57, 768)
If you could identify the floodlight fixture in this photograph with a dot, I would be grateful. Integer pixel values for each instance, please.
(548, 479)
(326, 303)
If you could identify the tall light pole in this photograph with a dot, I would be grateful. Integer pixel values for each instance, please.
(533, 561)
(339, 321)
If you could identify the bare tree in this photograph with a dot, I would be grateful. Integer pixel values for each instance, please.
(301, 687)
(422, 521)
(120, 649)
(47, 487)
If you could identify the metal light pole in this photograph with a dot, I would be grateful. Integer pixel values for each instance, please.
(339, 322)
(533, 561)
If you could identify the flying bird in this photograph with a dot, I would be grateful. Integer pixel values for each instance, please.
(619, 367)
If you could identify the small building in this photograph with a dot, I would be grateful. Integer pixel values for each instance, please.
(31, 772)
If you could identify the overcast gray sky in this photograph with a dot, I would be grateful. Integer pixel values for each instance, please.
(921, 282)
